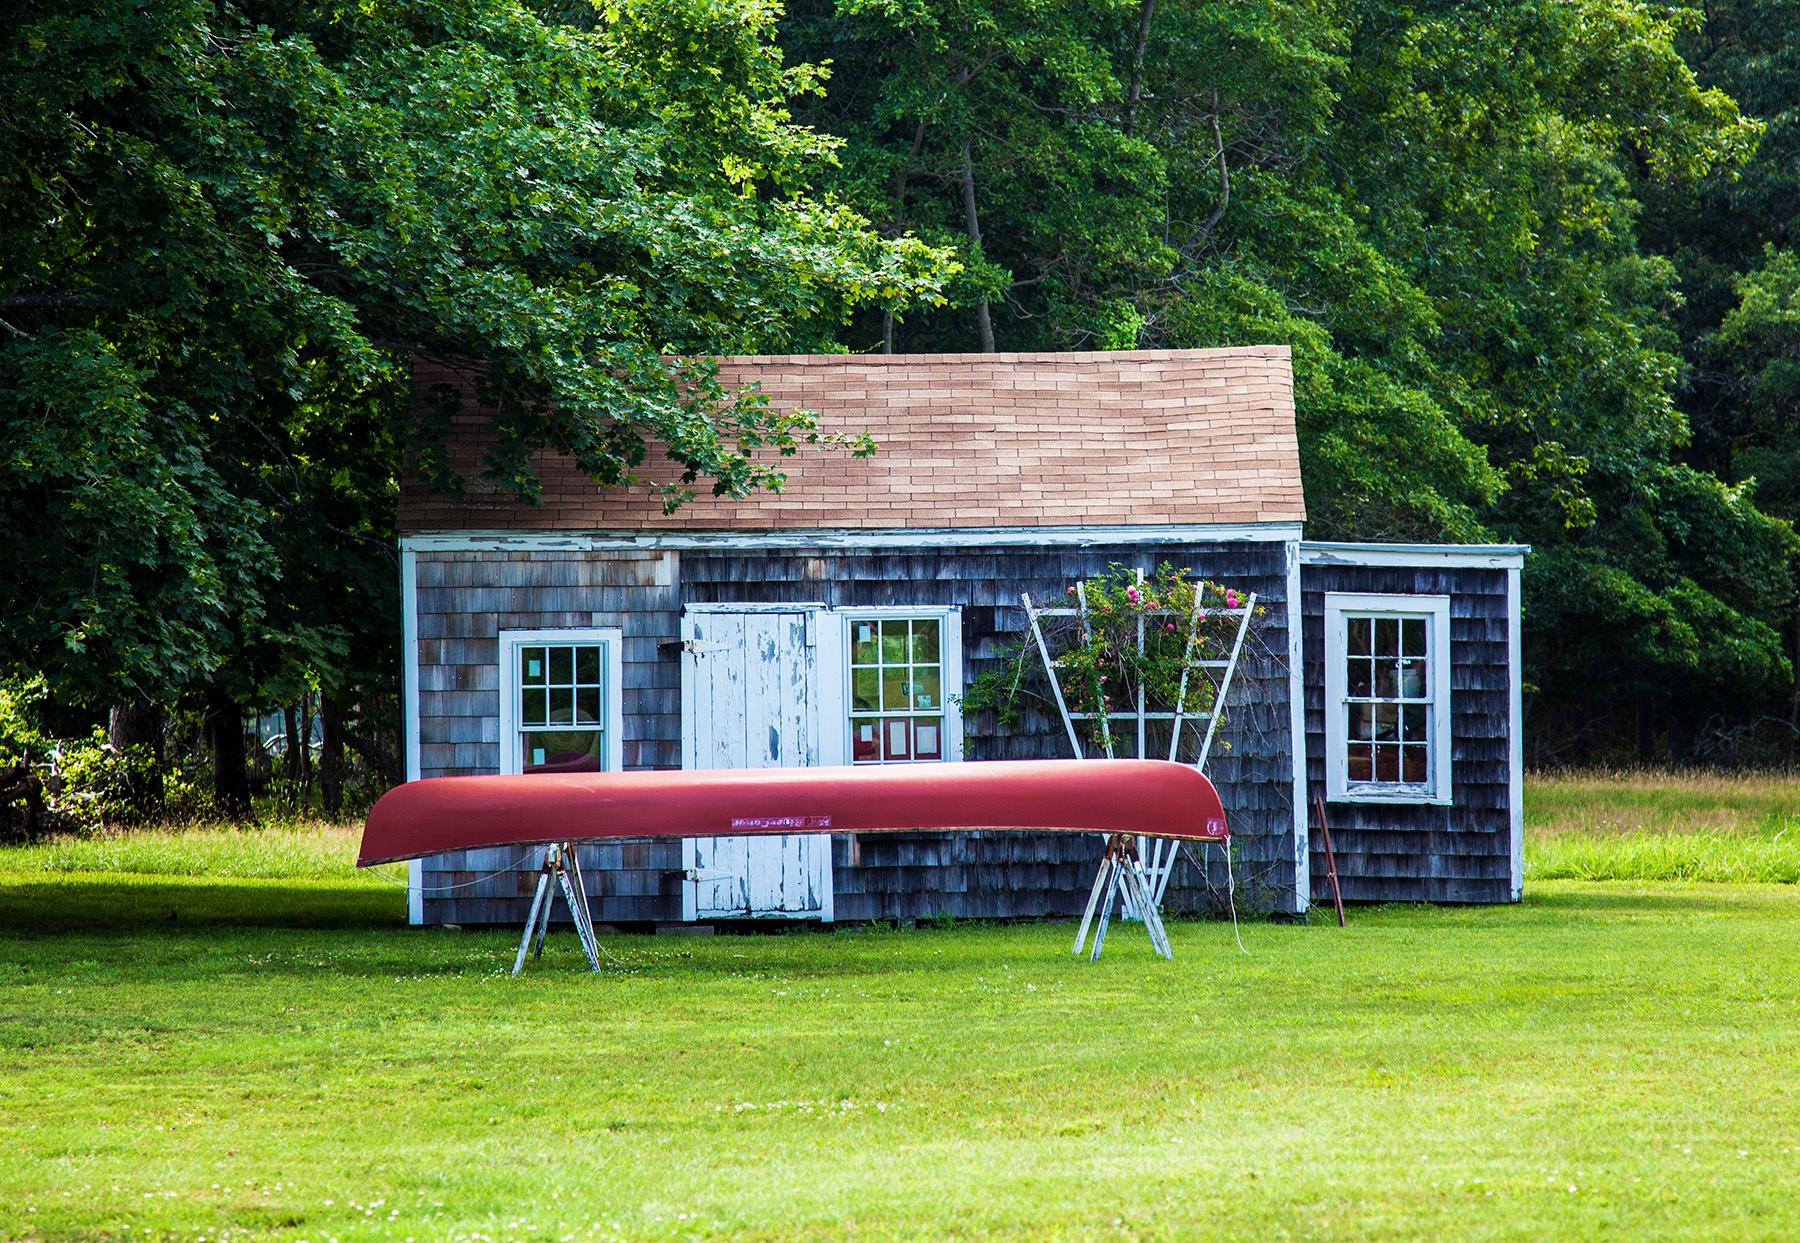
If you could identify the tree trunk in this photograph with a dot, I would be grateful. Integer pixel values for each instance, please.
(1135, 92)
(306, 764)
(331, 756)
(897, 193)
(231, 777)
(984, 322)
(291, 724)
(1794, 712)
(140, 724)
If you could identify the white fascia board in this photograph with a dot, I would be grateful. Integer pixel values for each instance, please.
(1448, 556)
(899, 537)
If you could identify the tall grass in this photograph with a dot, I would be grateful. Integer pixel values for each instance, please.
(1600, 825)
(290, 849)
(1648, 825)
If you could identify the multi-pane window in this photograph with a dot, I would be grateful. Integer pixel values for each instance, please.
(560, 707)
(896, 689)
(1388, 701)
(1387, 697)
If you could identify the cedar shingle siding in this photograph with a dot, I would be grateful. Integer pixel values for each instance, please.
(466, 598)
(1459, 853)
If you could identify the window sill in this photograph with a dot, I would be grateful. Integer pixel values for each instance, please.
(1414, 797)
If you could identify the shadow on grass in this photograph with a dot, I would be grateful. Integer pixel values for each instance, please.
(52, 904)
(1615, 898)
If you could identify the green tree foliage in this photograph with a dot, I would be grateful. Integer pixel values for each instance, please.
(228, 226)
(1440, 206)
(1734, 242)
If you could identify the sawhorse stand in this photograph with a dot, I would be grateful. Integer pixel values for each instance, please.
(560, 870)
(1121, 877)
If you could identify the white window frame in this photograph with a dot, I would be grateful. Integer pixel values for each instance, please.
(837, 698)
(611, 641)
(1435, 609)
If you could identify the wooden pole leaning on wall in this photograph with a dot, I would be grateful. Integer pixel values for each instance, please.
(1337, 894)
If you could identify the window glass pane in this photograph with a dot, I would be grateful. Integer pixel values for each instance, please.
(894, 685)
(1413, 765)
(928, 734)
(562, 705)
(927, 685)
(531, 707)
(1385, 682)
(1412, 720)
(865, 690)
(561, 666)
(587, 666)
(925, 642)
(896, 738)
(865, 745)
(1387, 723)
(1362, 678)
(1387, 762)
(1387, 636)
(587, 705)
(863, 648)
(531, 666)
(561, 751)
(1362, 721)
(1358, 766)
(1413, 684)
(1412, 636)
(1358, 636)
(893, 642)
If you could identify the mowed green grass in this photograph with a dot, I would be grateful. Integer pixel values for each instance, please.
(236, 1056)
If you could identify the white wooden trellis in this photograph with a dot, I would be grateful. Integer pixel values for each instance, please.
(1123, 871)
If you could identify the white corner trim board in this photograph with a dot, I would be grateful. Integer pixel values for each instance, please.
(1297, 733)
(1435, 609)
(1515, 790)
(409, 697)
(898, 537)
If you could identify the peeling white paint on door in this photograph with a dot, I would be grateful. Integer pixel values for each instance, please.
(748, 700)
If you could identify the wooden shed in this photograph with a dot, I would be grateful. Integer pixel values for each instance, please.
(595, 630)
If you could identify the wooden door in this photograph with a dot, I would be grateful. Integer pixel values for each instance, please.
(750, 698)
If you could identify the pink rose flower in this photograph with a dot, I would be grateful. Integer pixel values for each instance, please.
(1069, 592)
(1131, 594)
(1170, 627)
(1231, 599)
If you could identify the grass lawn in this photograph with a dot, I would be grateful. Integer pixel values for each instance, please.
(231, 1035)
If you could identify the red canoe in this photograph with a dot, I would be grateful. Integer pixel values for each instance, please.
(1152, 797)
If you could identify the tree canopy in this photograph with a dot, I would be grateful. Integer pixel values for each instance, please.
(1536, 261)
(230, 227)
(1442, 207)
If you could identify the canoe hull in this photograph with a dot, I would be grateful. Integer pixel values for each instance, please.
(1151, 797)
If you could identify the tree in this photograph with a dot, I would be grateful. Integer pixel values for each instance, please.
(228, 229)
(1437, 205)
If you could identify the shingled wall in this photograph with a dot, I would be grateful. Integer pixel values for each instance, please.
(466, 598)
(1423, 853)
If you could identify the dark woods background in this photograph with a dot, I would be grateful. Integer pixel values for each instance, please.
(1537, 263)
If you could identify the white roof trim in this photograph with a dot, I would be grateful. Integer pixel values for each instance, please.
(897, 537)
(1450, 556)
